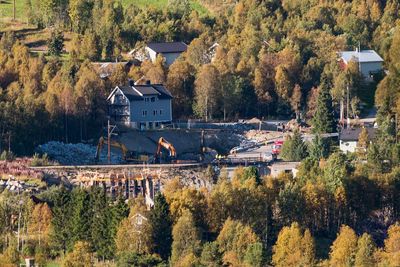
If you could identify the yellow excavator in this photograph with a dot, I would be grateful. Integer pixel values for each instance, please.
(127, 155)
(162, 143)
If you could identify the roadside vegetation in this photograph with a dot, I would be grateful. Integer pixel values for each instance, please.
(273, 59)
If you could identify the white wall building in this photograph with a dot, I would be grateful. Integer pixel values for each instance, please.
(170, 51)
(348, 138)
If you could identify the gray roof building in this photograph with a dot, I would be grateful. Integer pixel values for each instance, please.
(369, 62)
(168, 47)
(141, 106)
(170, 51)
(352, 134)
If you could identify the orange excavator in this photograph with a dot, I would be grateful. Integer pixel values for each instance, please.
(127, 155)
(162, 143)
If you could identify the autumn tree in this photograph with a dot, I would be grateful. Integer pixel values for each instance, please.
(362, 144)
(155, 72)
(80, 13)
(235, 241)
(295, 101)
(365, 255)
(134, 232)
(293, 248)
(264, 79)
(119, 76)
(186, 238)
(210, 255)
(390, 254)
(40, 223)
(344, 248)
(207, 87)
(81, 256)
(180, 81)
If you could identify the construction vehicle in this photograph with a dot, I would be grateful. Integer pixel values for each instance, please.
(127, 155)
(162, 143)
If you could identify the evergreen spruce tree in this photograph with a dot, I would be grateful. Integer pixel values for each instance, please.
(324, 121)
(120, 211)
(294, 149)
(319, 148)
(61, 230)
(161, 227)
(81, 218)
(55, 43)
(102, 240)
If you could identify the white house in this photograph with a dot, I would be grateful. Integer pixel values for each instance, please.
(348, 138)
(170, 51)
(369, 61)
(284, 167)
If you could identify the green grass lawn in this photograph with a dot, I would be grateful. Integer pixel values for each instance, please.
(146, 3)
(6, 10)
(6, 7)
(163, 3)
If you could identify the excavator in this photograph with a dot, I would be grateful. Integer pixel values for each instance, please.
(127, 155)
(162, 143)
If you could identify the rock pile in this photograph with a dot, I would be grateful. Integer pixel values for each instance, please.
(75, 154)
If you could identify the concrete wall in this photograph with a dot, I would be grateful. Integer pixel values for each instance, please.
(348, 146)
(147, 111)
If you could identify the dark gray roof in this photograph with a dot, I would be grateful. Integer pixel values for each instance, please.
(171, 47)
(137, 92)
(352, 134)
(163, 91)
(146, 89)
(130, 93)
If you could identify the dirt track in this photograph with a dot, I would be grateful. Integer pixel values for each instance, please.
(185, 141)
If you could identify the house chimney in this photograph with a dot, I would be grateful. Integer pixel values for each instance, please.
(148, 82)
(131, 82)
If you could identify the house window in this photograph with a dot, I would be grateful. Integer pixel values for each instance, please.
(154, 112)
(144, 113)
(153, 99)
(160, 111)
(146, 99)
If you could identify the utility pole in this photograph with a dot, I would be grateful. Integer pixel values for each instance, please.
(110, 130)
(14, 11)
(108, 142)
(348, 107)
(9, 142)
(207, 108)
(396, 123)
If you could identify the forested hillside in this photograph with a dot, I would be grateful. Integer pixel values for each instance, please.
(269, 59)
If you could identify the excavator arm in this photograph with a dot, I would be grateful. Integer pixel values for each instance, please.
(113, 143)
(162, 143)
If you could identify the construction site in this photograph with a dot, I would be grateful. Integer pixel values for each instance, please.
(131, 163)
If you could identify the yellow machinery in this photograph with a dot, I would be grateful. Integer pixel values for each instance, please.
(128, 156)
(162, 143)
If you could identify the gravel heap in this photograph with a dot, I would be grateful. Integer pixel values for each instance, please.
(75, 154)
